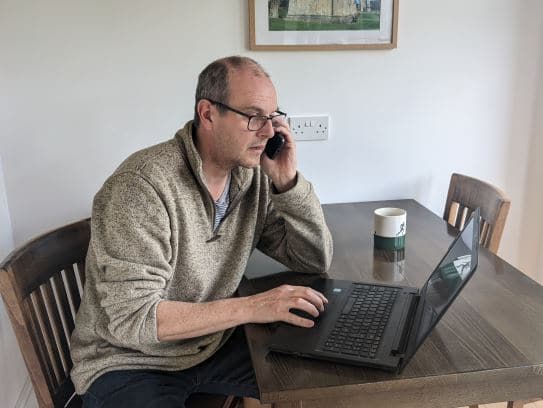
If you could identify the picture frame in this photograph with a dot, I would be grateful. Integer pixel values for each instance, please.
(323, 24)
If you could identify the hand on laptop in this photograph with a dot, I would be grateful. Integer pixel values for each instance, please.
(275, 304)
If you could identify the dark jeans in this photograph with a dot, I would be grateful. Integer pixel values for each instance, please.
(228, 372)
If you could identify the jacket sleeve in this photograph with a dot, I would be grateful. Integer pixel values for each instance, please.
(130, 235)
(295, 232)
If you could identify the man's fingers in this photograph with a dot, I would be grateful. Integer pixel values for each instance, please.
(276, 304)
(284, 129)
(299, 321)
(321, 296)
(305, 306)
(311, 295)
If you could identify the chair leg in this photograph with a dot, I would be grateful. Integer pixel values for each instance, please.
(254, 403)
(232, 402)
(515, 404)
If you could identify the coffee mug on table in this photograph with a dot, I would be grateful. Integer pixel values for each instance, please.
(390, 228)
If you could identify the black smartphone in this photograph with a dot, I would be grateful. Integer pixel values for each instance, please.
(274, 145)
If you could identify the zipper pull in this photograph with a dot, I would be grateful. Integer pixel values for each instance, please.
(212, 239)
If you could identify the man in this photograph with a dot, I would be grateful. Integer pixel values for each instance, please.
(172, 230)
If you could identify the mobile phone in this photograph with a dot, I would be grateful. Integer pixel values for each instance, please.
(274, 145)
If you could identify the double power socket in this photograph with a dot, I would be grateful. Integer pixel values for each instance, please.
(315, 127)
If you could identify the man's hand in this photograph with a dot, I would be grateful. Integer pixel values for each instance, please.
(275, 304)
(282, 169)
(183, 320)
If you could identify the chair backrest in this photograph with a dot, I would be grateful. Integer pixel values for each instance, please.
(466, 194)
(41, 284)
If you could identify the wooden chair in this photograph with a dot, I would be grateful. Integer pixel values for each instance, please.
(41, 284)
(466, 194)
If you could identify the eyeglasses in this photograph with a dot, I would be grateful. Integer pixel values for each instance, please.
(256, 122)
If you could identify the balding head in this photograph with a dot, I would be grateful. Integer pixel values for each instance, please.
(213, 81)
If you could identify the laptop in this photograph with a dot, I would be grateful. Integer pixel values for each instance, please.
(381, 325)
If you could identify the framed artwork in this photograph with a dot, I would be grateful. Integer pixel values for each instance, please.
(323, 24)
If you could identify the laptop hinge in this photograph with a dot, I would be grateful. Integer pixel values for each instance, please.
(399, 344)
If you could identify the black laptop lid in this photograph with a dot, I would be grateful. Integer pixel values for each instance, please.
(446, 282)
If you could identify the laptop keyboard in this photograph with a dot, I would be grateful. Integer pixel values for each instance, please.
(359, 329)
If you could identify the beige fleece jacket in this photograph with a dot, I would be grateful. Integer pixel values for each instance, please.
(152, 239)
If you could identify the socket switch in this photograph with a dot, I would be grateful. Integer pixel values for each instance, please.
(315, 127)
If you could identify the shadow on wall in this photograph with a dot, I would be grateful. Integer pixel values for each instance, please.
(6, 232)
(531, 244)
(420, 188)
(13, 372)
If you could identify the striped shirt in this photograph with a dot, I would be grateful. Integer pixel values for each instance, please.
(221, 205)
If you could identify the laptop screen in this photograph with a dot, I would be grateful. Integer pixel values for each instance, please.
(448, 278)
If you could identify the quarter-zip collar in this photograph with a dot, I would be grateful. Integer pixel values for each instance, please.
(241, 176)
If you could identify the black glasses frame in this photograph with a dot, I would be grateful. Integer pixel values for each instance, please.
(264, 118)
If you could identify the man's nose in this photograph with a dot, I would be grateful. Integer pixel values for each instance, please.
(267, 131)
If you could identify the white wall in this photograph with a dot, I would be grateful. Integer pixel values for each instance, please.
(86, 83)
(90, 82)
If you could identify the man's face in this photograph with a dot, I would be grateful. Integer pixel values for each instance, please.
(234, 144)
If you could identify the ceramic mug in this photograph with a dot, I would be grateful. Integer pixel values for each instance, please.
(389, 228)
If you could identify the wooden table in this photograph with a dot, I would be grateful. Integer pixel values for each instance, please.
(487, 348)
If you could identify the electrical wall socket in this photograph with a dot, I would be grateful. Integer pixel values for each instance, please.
(314, 127)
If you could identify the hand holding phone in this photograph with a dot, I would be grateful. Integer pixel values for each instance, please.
(279, 164)
(274, 145)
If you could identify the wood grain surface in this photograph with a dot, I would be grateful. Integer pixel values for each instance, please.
(487, 348)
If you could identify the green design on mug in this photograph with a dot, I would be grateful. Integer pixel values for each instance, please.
(391, 243)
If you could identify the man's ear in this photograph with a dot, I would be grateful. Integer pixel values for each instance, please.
(203, 108)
